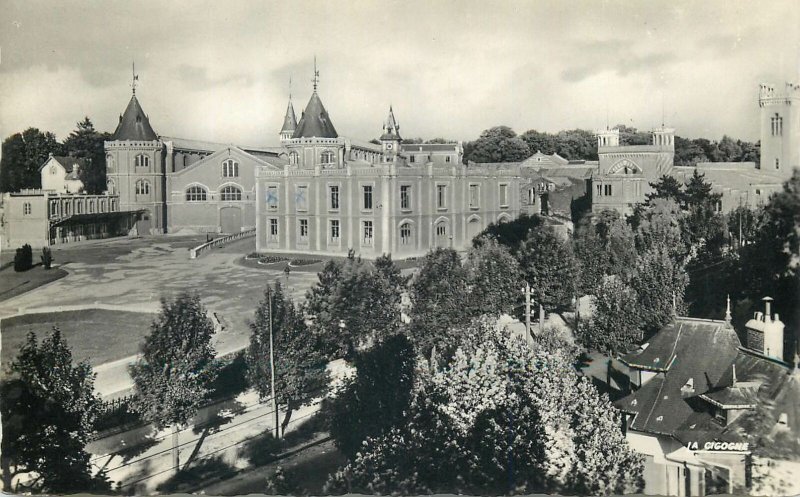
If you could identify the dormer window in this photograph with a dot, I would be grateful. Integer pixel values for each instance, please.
(327, 158)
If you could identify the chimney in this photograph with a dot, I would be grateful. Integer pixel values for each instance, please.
(767, 308)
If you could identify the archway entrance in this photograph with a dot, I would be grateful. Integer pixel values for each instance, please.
(441, 235)
(473, 228)
(143, 224)
(230, 220)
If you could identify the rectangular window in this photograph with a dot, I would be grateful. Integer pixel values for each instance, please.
(599, 190)
(777, 163)
(503, 195)
(334, 231)
(272, 197)
(474, 196)
(412, 159)
(273, 228)
(447, 158)
(26, 209)
(367, 190)
(441, 196)
(607, 191)
(405, 197)
(367, 230)
(334, 197)
(405, 234)
(301, 198)
(304, 230)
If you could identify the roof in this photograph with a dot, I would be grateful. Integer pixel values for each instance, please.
(68, 164)
(733, 175)
(207, 146)
(429, 147)
(680, 351)
(134, 124)
(315, 121)
(391, 130)
(289, 120)
(541, 160)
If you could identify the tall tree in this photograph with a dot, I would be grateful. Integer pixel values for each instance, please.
(377, 398)
(510, 234)
(300, 372)
(494, 279)
(616, 322)
(667, 187)
(660, 285)
(498, 418)
(498, 144)
(438, 293)
(173, 376)
(23, 155)
(88, 143)
(48, 409)
(548, 265)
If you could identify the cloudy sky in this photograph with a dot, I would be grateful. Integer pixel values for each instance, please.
(220, 71)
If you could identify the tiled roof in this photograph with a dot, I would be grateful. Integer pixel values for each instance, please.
(134, 124)
(315, 121)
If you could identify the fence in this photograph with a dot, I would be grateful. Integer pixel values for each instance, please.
(196, 251)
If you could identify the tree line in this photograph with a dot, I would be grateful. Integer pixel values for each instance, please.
(502, 144)
(24, 153)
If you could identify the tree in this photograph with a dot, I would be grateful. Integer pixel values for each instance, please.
(356, 301)
(88, 143)
(300, 372)
(616, 322)
(173, 376)
(499, 418)
(377, 398)
(699, 191)
(23, 258)
(498, 144)
(660, 285)
(438, 293)
(494, 279)
(539, 142)
(22, 156)
(667, 187)
(548, 265)
(659, 227)
(510, 234)
(48, 409)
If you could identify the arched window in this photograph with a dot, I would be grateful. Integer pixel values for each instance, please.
(196, 194)
(294, 158)
(327, 158)
(230, 169)
(109, 162)
(230, 193)
(406, 234)
(142, 187)
(111, 187)
(142, 160)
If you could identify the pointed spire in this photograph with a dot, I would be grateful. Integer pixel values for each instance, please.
(728, 311)
(391, 128)
(134, 125)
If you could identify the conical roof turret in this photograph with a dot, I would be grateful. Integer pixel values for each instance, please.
(134, 124)
(289, 120)
(315, 122)
(391, 130)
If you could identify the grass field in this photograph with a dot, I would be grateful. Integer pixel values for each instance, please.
(13, 283)
(94, 335)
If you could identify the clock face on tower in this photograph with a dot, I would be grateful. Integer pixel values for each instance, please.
(388, 146)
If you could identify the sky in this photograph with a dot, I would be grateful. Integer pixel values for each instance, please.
(220, 71)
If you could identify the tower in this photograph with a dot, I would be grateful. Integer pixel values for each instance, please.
(315, 141)
(607, 138)
(390, 139)
(289, 120)
(780, 128)
(135, 168)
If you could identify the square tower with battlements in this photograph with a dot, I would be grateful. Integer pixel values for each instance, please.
(780, 128)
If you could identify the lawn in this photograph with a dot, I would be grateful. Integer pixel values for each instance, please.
(94, 335)
(13, 283)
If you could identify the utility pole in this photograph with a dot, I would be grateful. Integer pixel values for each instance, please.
(527, 292)
(272, 367)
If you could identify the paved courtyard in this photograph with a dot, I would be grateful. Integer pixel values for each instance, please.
(134, 274)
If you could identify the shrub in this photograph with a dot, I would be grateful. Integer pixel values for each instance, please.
(303, 262)
(47, 258)
(23, 259)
